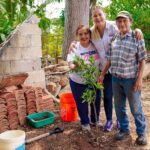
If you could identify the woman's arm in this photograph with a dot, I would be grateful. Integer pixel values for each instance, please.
(73, 46)
(105, 69)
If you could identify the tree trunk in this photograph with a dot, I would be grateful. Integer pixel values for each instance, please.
(92, 3)
(76, 13)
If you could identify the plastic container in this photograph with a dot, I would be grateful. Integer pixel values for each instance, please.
(41, 119)
(12, 140)
(68, 109)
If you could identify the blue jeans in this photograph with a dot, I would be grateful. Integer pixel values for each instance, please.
(78, 90)
(122, 89)
(108, 95)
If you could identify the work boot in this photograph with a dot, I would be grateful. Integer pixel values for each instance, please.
(141, 140)
(122, 135)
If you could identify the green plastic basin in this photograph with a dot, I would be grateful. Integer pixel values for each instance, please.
(41, 119)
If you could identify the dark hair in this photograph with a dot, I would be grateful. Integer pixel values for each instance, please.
(83, 26)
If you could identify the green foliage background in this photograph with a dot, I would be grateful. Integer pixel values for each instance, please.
(53, 38)
(140, 10)
(14, 12)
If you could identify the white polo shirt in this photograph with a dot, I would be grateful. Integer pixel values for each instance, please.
(103, 44)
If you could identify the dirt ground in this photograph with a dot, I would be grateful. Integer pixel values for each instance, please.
(73, 138)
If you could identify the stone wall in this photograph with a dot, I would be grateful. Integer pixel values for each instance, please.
(22, 53)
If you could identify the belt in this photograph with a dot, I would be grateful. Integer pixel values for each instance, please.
(119, 76)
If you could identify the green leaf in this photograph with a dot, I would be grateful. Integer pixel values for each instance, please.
(3, 37)
(89, 72)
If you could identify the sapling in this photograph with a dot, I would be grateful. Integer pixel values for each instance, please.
(89, 73)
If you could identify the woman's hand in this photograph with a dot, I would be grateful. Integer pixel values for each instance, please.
(72, 66)
(101, 78)
(138, 34)
(72, 46)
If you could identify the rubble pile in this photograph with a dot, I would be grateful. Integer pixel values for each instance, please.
(57, 78)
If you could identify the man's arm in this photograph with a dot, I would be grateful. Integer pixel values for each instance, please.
(141, 57)
(138, 83)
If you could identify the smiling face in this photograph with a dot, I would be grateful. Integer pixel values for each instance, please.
(83, 34)
(98, 16)
(123, 24)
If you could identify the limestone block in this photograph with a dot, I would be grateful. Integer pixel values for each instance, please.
(51, 86)
(63, 63)
(63, 68)
(31, 53)
(4, 67)
(54, 78)
(36, 40)
(11, 53)
(63, 81)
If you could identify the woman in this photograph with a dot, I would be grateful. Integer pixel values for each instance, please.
(103, 32)
(84, 49)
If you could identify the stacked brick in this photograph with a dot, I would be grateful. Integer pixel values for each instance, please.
(43, 103)
(12, 110)
(4, 125)
(21, 103)
(39, 95)
(47, 103)
(16, 105)
(31, 101)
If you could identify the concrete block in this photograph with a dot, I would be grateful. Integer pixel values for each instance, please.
(20, 41)
(25, 65)
(36, 64)
(4, 67)
(36, 77)
(36, 40)
(33, 19)
(11, 53)
(28, 28)
(21, 66)
(37, 84)
(31, 53)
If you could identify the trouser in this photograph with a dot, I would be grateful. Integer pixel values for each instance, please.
(78, 90)
(122, 89)
(108, 96)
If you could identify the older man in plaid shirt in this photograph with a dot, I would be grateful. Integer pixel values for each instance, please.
(127, 59)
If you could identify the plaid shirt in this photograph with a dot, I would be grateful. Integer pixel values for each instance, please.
(125, 54)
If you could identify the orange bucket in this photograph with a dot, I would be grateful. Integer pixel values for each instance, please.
(68, 109)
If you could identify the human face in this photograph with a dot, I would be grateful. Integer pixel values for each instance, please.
(123, 25)
(99, 17)
(84, 36)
